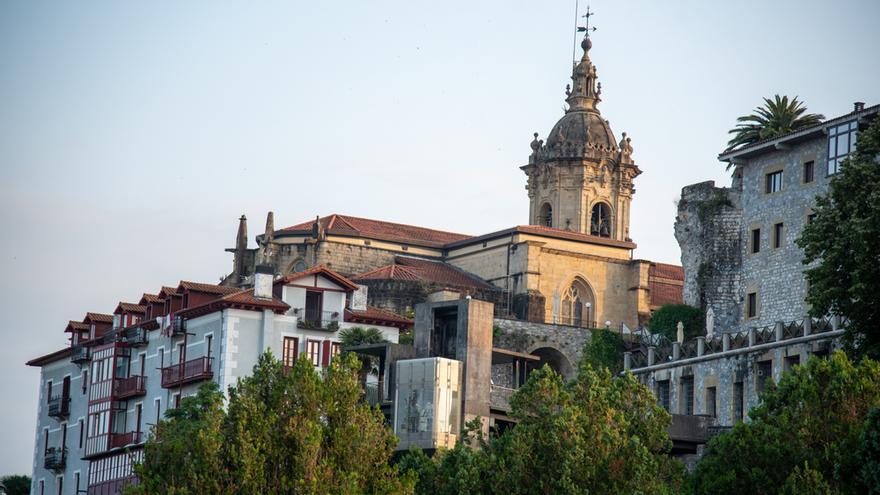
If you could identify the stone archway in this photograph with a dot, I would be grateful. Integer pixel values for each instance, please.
(556, 360)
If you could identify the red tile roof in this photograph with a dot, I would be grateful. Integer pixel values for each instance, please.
(544, 231)
(319, 270)
(150, 298)
(345, 225)
(240, 299)
(665, 284)
(98, 318)
(76, 326)
(436, 272)
(376, 316)
(207, 288)
(167, 291)
(125, 307)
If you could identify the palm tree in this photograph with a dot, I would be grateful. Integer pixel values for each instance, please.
(777, 117)
(353, 336)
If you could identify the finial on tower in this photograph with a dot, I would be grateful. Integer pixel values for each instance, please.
(586, 44)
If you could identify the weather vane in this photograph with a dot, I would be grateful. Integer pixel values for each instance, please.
(580, 29)
(586, 27)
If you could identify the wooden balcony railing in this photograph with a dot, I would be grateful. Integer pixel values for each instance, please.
(191, 371)
(119, 440)
(132, 386)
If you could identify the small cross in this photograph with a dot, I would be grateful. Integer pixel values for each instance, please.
(586, 29)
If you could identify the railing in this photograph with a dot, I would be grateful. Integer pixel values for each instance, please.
(55, 459)
(132, 386)
(134, 336)
(191, 371)
(59, 406)
(79, 354)
(119, 440)
(571, 321)
(374, 393)
(326, 320)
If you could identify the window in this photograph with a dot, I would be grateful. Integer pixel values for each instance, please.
(773, 182)
(76, 482)
(158, 403)
(765, 372)
(82, 431)
(49, 391)
(777, 235)
(42, 487)
(711, 401)
(791, 362)
(600, 220)
(663, 394)
(545, 217)
(752, 305)
(809, 172)
(64, 436)
(138, 412)
(687, 395)
(161, 353)
(60, 485)
(841, 140)
(315, 352)
(209, 339)
(289, 351)
(85, 380)
(45, 440)
(756, 241)
(181, 353)
(335, 349)
(175, 399)
(739, 401)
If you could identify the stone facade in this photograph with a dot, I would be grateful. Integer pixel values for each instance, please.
(560, 346)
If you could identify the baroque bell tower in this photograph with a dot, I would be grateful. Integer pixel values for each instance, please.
(581, 179)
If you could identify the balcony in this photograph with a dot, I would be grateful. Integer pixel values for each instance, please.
(133, 386)
(317, 320)
(119, 440)
(59, 406)
(55, 459)
(191, 371)
(80, 354)
(134, 336)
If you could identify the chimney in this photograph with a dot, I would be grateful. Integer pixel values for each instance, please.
(264, 275)
(858, 106)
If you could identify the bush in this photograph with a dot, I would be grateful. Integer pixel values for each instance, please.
(665, 321)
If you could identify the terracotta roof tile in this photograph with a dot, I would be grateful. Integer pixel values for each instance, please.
(390, 272)
(241, 298)
(125, 307)
(663, 293)
(377, 229)
(98, 318)
(320, 269)
(150, 298)
(207, 288)
(663, 270)
(76, 326)
(167, 291)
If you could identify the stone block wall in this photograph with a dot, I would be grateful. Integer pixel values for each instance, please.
(544, 340)
(708, 230)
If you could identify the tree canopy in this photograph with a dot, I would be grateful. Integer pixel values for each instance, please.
(15, 484)
(776, 117)
(283, 431)
(597, 434)
(842, 243)
(813, 427)
(665, 320)
(353, 336)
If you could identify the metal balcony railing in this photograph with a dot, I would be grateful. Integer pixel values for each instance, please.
(570, 321)
(59, 406)
(191, 371)
(132, 386)
(315, 320)
(80, 354)
(134, 336)
(55, 459)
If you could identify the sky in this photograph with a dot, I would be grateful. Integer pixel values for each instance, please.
(134, 134)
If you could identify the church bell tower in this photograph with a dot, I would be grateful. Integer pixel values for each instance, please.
(581, 179)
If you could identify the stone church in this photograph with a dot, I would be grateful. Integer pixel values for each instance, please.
(572, 264)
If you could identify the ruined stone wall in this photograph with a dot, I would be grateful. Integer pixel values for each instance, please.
(538, 338)
(708, 230)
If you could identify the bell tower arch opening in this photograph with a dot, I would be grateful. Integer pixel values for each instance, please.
(545, 216)
(600, 220)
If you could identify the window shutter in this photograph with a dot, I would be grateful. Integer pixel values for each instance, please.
(326, 353)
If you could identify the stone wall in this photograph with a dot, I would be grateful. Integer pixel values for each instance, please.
(708, 230)
(542, 339)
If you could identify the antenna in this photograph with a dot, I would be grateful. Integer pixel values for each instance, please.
(574, 35)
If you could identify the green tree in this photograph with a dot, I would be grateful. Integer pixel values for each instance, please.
(283, 431)
(353, 336)
(665, 320)
(843, 241)
(869, 453)
(597, 434)
(777, 117)
(815, 416)
(15, 484)
(604, 350)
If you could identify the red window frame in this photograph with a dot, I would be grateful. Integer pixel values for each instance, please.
(289, 351)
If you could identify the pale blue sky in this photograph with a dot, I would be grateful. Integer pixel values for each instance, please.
(132, 135)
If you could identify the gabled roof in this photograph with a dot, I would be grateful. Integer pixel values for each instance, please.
(50, 358)
(98, 318)
(546, 232)
(318, 270)
(207, 288)
(164, 292)
(435, 272)
(376, 316)
(344, 225)
(76, 326)
(240, 299)
(149, 299)
(125, 307)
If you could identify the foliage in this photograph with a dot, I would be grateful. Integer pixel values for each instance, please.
(353, 336)
(814, 417)
(665, 321)
(869, 452)
(806, 481)
(843, 240)
(604, 350)
(596, 434)
(283, 431)
(405, 337)
(777, 117)
(15, 484)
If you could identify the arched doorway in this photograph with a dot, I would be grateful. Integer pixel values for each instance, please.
(556, 360)
(578, 305)
(600, 220)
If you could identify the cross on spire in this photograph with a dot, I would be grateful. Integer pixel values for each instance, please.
(586, 27)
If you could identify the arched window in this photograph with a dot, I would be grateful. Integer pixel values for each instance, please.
(577, 305)
(545, 217)
(600, 220)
